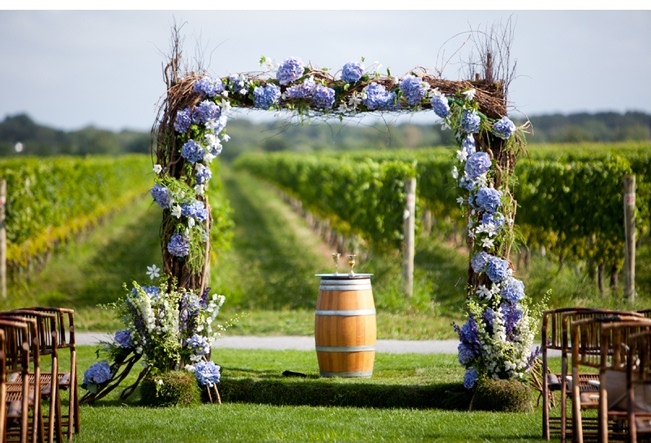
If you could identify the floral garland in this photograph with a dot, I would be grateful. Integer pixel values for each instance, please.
(496, 340)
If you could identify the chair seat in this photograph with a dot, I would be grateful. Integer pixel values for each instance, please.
(46, 381)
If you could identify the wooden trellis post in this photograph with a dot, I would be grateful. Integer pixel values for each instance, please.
(629, 231)
(409, 234)
(3, 240)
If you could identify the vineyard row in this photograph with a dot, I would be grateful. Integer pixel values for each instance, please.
(51, 201)
(569, 197)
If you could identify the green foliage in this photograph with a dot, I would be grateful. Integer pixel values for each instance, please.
(49, 202)
(173, 388)
(365, 198)
(502, 396)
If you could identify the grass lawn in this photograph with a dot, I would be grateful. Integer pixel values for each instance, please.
(269, 420)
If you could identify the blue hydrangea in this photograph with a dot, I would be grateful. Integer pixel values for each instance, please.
(413, 89)
(504, 128)
(178, 246)
(207, 373)
(497, 269)
(352, 72)
(238, 84)
(479, 261)
(123, 338)
(192, 151)
(264, 97)
(203, 174)
(97, 374)
(152, 291)
(183, 120)
(161, 196)
(468, 144)
(377, 97)
(323, 97)
(440, 106)
(198, 344)
(470, 378)
(207, 111)
(196, 210)
(488, 199)
(290, 70)
(470, 121)
(303, 91)
(478, 163)
(466, 354)
(496, 219)
(208, 87)
(513, 290)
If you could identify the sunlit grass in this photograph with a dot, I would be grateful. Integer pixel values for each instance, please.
(115, 420)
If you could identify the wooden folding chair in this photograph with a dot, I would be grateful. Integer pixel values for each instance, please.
(3, 385)
(22, 398)
(49, 379)
(598, 344)
(556, 336)
(67, 377)
(635, 410)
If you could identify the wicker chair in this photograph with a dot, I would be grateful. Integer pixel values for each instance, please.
(3, 384)
(556, 336)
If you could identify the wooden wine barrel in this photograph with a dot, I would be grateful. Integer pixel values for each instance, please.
(344, 326)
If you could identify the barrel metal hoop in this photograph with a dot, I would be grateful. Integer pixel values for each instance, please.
(364, 348)
(347, 374)
(345, 287)
(344, 313)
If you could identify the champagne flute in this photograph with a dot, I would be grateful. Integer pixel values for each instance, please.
(335, 258)
(351, 263)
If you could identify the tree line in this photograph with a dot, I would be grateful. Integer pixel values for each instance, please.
(20, 135)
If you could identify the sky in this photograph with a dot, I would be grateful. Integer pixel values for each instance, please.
(71, 68)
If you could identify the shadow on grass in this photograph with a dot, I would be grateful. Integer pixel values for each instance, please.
(316, 391)
(320, 392)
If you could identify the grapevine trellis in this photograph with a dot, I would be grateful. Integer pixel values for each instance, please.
(190, 133)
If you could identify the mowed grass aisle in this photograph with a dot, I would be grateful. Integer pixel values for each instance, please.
(275, 256)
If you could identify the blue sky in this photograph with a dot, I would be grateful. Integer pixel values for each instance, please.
(73, 68)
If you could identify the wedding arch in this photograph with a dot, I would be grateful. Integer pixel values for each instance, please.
(190, 132)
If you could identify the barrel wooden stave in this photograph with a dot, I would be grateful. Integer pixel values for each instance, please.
(345, 329)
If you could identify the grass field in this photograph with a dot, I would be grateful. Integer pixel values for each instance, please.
(287, 418)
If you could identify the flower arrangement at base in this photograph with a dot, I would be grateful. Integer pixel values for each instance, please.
(167, 328)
